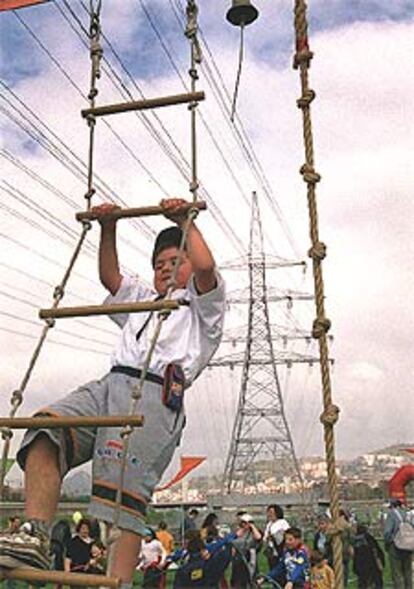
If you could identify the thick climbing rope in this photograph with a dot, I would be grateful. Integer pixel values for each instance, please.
(59, 291)
(136, 393)
(317, 252)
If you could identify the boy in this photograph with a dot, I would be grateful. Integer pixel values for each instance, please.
(322, 576)
(189, 338)
(294, 562)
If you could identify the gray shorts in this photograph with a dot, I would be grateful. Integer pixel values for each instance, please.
(151, 447)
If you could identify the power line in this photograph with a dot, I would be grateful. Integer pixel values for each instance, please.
(52, 341)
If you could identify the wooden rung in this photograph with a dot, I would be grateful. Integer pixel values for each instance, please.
(86, 311)
(59, 577)
(139, 212)
(40, 422)
(111, 109)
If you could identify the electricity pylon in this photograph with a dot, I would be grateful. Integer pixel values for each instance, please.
(261, 431)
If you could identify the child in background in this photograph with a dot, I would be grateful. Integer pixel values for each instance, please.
(294, 562)
(97, 562)
(322, 576)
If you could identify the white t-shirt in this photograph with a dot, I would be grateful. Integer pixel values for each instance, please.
(275, 531)
(151, 552)
(189, 336)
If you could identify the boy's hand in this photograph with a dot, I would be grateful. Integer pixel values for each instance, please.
(103, 212)
(172, 209)
(289, 585)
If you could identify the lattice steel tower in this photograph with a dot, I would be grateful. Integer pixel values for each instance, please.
(261, 431)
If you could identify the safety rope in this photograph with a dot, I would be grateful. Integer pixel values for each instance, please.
(317, 252)
(136, 393)
(59, 291)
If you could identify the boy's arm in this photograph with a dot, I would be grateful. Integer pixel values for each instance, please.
(109, 272)
(198, 251)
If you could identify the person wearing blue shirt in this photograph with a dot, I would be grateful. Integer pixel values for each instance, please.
(294, 562)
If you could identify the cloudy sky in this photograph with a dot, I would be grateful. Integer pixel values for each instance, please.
(364, 141)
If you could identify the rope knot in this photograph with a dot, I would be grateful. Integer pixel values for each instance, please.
(87, 225)
(16, 398)
(309, 174)
(91, 120)
(330, 416)
(59, 292)
(306, 98)
(90, 193)
(93, 93)
(50, 322)
(302, 57)
(320, 327)
(317, 251)
(193, 213)
(126, 431)
(6, 433)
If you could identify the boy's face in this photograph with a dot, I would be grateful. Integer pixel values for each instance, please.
(291, 542)
(163, 269)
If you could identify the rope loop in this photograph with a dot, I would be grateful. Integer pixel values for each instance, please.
(93, 93)
(320, 327)
(318, 251)
(50, 322)
(87, 225)
(6, 433)
(330, 415)
(91, 120)
(16, 398)
(126, 431)
(302, 57)
(90, 193)
(309, 175)
(194, 75)
(193, 213)
(59, 292)
(306, 98)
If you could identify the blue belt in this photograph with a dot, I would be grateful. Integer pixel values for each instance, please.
(136, 373)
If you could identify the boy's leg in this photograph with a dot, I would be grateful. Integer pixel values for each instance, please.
(126, 551)
(42, 480)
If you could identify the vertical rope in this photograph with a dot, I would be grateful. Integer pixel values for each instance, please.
(317, 252)
(196, 57)
(136, 393)
(18, 394)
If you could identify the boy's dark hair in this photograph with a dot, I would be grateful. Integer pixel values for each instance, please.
(162, 525)
(83, 522)
(193, 511)
(295, 532)
(169, 237)
(194, 542)
(98, 544)
(280, 514)
(316, 557)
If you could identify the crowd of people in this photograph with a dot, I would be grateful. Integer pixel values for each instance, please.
(214, 556)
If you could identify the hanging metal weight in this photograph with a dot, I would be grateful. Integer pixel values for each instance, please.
(242, 13)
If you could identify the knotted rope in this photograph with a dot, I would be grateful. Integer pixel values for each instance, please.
(59, 291)
(136, 393)
(317, 252)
